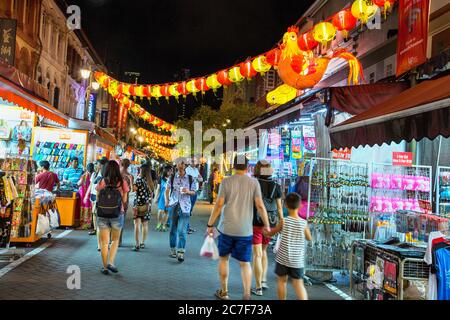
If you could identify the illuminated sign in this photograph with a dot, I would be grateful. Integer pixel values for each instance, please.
(91, 107)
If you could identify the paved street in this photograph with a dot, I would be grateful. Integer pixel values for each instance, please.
(149, 274)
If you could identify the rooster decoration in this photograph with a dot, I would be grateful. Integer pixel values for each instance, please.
(301, 70)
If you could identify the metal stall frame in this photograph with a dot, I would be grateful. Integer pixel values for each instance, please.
(438, 187)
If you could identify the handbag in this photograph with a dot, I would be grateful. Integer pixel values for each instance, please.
(142, 210)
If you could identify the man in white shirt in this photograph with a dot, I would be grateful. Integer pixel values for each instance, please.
(193, 171)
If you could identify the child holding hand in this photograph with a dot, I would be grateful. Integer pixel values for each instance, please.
(290, 257)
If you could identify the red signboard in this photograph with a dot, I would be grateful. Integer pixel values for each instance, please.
(402, 159)
(343, 154)
(425, 205)
(413, 22)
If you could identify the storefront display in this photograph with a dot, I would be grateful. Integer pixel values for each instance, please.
(443, 191)
(16, 126)
(8, 194)
(59, 146)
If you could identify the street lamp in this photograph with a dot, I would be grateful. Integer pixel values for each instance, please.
(85, 74)
(95, 85)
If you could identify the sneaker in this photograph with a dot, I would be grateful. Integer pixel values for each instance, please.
(181, 257)
(258, 292)
(164, 229)
(136, 248)
(93, 233)
(222, 295)
(142, 246)
(264, 285)
(104, 271)
(158, 227)
(173, 253)
(112, 269)
(191, 231)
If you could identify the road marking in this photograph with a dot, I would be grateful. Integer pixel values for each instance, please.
(30, 254)
(338, 291)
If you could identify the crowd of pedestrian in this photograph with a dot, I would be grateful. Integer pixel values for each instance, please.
(249, 211)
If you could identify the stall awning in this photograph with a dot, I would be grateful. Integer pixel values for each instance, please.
(15, 95)
(106, 136)
(420, 112)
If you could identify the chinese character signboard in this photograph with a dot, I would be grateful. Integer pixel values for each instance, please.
(402, 159)
(104, 119)
(412, 40)
(8, 29)
(343, 154)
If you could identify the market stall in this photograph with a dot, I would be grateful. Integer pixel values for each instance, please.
(59, 146)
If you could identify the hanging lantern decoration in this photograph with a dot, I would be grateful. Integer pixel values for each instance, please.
(344, 21)
(165, 91)
(192, 88)
(261, 65)
(147, 91)
(173, 90)
(213, 83)
(364, 10)
(222, 77)
(385, 5)
(273, 57)
(324, 32)
(182, 89)
(235, 75)
(246, 69)
(201, 85)
(306, 42)
(120, 88)
(156, 92)
(126, 89)
(131, 90)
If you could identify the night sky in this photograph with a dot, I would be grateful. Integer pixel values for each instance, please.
(160, 38)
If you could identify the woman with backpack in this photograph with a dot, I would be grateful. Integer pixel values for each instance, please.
(112, 192)
(159, 198)
(271, 192)
(86, 205)
(142, 207)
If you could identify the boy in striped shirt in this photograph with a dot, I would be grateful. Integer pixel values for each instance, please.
(290, 257)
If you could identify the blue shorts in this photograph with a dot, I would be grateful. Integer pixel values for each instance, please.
(111, 223)
(240, 248)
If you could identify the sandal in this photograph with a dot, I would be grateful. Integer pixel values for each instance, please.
(222, 295)
(136, 248)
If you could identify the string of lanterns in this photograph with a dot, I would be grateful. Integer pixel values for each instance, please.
(325, 31)
(126, 102)
(156, 138)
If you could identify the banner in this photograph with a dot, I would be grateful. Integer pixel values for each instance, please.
(413, 22)
(8, 28)
(343, 154)
(92, 107)
(104, 119)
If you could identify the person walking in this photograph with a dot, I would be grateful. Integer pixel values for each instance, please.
(178, 198)
(84, 191)
(193, 171)
(271, 193)
(128, 177)
(159, 197)
(46, 179)
(290, 257)
(112, 192)
(212, 182)
(237, 197)
(141, 212)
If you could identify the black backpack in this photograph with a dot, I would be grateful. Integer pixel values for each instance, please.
(109, 202)
(270, 203)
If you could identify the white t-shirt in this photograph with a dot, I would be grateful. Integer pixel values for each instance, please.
(432, 281)
(194, 173)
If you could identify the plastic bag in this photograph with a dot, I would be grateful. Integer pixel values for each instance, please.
(277, 244)
(43, 225)
(209, 249)
(54, 218)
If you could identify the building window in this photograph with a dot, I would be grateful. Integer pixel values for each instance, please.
(56, 98)
(372, 77)
(389, 70)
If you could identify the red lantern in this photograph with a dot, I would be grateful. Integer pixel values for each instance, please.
(273, 57)
(182, 89)
(147, 91)
(132, 90)
(160, 123)
(344, 21)
(201, 85)
(384, 4)
(306, 42)
(222, 77)
(165, 91)
(247, 70)
(151, 118)
(141, 112)
(120, 88)
(107, 82)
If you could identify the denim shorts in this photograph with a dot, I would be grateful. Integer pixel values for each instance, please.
(111, 223)
(293, 273)
(240, 248)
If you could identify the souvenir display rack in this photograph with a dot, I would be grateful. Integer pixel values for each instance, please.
(6, 212)
(338, 211)
(367, 258)
(443, 191)
(24, 217)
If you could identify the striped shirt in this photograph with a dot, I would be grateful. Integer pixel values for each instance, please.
(291, 252)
